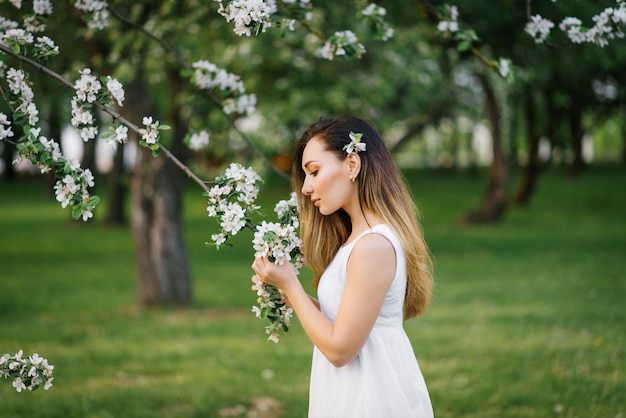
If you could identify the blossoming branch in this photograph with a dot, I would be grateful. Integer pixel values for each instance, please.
(27, 373)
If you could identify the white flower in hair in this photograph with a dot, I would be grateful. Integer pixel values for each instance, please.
(355, 144)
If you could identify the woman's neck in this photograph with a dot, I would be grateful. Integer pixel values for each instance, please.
(363, 221)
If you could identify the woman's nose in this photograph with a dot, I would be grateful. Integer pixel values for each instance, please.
(306, 188)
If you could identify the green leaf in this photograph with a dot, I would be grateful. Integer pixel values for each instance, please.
(93, 200)
(76, 212)
(463, 46)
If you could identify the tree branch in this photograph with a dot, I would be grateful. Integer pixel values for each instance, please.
(181, 61)
(116, 115)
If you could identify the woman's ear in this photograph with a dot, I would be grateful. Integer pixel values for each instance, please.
(353, 161)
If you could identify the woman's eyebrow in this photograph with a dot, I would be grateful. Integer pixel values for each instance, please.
(307, 163)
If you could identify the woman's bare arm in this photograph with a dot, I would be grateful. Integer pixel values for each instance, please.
(370, 271)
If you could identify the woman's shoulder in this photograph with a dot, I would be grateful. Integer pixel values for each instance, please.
(375, 243)
(387, 232)
(373, 252)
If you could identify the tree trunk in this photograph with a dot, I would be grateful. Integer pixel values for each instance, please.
(530, 171)
(117, 188)
(163, 273)
(55, 129)
(8, 154)
(577, 131)
(623, 142)
(417, 127)
(89, 147)
(494, 201)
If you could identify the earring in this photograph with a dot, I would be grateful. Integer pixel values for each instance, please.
(352, 179)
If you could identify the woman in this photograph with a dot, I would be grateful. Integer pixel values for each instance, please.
(371, 270)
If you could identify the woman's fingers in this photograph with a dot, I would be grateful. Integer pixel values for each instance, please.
(257, 264)
(260, 268)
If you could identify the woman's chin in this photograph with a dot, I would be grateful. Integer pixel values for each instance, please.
(325, 211)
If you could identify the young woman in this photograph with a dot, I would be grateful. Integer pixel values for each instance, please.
(371, 267)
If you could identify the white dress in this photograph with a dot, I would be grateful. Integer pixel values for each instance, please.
(384, 380)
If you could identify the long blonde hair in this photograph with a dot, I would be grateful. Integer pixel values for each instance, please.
(382, 191)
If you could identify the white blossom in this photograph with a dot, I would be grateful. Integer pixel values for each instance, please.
(6, 24)
(33, 24)
(87, 86)
(219, 239)
(208, 76)
(18, 85)
(199, 140)
(276, 241)
(118, 135)
(88, 176)
(150, 134)
(42, 7)
(608, 25)
(47, 45)
(539, 28)
(5, 127)
(52, 147)
(80, 115)
(116, 89)
(504, 67)
(27, 373)
(243, 105)
(19, 36)
(450, 25)
(32, 112)
(88, 132)
(247, 14)
(233, 219)
(337, 44)
(98, 15)
(374, 9)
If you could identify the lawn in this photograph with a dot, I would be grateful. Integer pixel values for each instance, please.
(528, 318)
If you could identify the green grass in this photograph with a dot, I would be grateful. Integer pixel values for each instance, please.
(528, 318)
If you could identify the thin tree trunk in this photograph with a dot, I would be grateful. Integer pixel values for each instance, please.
(530, 171)
(494, 201)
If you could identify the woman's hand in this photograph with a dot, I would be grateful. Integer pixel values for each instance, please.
(281, 276)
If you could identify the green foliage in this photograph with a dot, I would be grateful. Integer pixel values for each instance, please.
(527, 319)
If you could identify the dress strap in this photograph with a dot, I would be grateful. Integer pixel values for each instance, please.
(372, 230)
